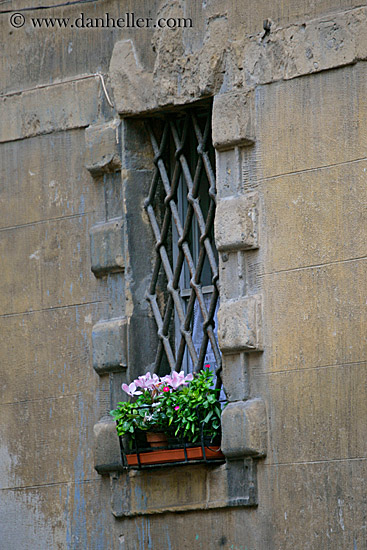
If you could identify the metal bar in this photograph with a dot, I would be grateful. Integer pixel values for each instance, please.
(202, 139)
(164, 339)
(158, 357)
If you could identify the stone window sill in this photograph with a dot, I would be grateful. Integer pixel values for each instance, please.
(181, 489)
(171, 488)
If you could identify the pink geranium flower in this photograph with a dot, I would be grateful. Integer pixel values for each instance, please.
(177, 408)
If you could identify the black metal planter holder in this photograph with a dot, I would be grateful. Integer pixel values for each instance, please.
(176, 443)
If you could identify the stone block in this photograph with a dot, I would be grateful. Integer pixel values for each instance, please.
(102, 143)
(316, 316)
(109, 342)
(46, 265)
(240, 324)
(107, 454)
(107, 247)
(115, 381)
(304, 48)
(228, 173)
(242, 482)
(235, 376)
(232, 275)
(137, 151)
(233, 120)
(323, 401)
(315, 217)
(17, 517)
(61, 343)
(236, 223)
(249, 22)
(113, 192)
(50, 109)
(308, 105)
(47, 167)
(318, 494)
(45, 440)
(244, 429)
(132, 84)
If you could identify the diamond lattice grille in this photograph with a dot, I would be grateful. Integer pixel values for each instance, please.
(181, 208)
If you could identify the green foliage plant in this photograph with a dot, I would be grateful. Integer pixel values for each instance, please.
(180, 406)
(194, 410)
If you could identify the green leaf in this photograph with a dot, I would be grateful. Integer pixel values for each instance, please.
(208, 417)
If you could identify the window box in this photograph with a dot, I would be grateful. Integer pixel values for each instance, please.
(174, 456)
(173, 451)
(181, 413)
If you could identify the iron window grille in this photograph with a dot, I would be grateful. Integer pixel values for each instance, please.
(181, 204)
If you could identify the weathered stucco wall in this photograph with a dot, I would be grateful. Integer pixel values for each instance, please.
(312, 178)
(307, 164)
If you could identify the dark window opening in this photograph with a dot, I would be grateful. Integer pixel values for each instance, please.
(183, 291)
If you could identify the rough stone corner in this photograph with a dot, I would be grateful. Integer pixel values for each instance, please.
(233, 120)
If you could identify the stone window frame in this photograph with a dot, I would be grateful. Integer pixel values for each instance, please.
(122, 145)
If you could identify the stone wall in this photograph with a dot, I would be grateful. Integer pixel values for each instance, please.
(291, 168)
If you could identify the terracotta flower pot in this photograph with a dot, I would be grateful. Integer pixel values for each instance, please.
(157, 439)
(174, 455)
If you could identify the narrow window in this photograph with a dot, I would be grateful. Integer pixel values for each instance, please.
(181, 205)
